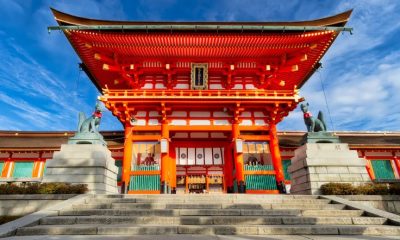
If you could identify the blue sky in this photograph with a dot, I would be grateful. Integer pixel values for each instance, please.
(42, 88)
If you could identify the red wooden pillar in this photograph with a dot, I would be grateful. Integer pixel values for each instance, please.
(37, 166)
(368, 166)
(228, 169)
(276, 158)
(238, 159)
(165, 161)
(397, 164)
(127, 160)
(7, 167)
(172, 168)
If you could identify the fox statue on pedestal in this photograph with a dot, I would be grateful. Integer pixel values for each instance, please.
(92, 123)
(313, 124)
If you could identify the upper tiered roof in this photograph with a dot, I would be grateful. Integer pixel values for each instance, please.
(115, 52)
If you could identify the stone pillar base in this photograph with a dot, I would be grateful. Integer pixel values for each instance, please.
(315, 164)
(89, 164)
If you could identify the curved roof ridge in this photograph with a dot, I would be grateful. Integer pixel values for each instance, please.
(62, 18)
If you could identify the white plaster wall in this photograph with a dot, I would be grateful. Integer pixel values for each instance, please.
(199, 122)
(200, 114)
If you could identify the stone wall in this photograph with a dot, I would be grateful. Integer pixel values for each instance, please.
(390, 203)
(20, 205)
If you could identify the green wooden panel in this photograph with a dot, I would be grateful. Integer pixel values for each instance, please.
(258, 167)
(260, 182)
(45, 167)
(118, 163)
(235, 186)
(1, 167)
(145, 182)
(22, 169)
(286, 163)
(382, 169)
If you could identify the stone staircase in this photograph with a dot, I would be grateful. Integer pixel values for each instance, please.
(209, 215)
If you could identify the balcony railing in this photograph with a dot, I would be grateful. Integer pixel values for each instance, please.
(222, 94)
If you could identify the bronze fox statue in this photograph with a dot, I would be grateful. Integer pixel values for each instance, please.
(313, 124)
(91, 124)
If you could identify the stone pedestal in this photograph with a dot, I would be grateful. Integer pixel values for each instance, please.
(315, 164)
(87, 138)
(89, 164)
(319, 137)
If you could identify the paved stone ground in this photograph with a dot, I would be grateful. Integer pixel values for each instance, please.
(205, 237)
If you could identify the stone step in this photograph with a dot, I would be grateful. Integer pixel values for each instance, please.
(207, 206)
(204, 196)
(213, 220)
(206, 200)
(183, 212)
(332, 213)
(209, 230)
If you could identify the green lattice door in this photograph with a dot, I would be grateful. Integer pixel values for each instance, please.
(118, 163)
(382, 169)
(286, 163)
(23, 169)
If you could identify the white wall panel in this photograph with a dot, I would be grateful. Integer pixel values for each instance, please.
(182, 86)
(221, 122)
(259, 122)
(250, 86)
(200, 114)
(140, 122)
(245, 114)
(208, 156)
(153, 122)
(199, 156)
(160, 86)
(178, 114)
(183, 156)
(178, 122)
(191, 156)
(259, 114)
(154, 114)
(246, 122)
(217, 155)
(199, 122)
(238, 86)
(216, 86)
(147, 86)
(141, 114)
(221, 114)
